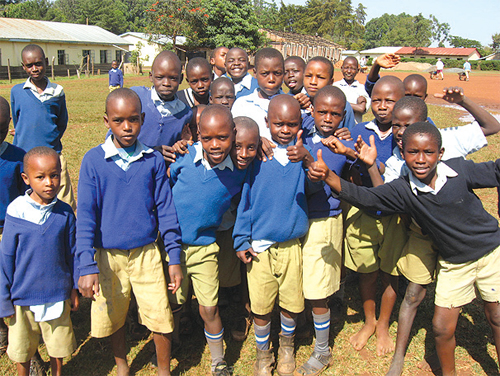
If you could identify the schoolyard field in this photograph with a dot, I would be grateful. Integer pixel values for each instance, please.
(475, 353)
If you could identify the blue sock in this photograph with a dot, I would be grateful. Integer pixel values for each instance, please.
(287, 325)
(216, 346)
(322, 330)
(262, 334)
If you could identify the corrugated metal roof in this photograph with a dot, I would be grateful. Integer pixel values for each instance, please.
(14, 29)
(436, 51)
(163, 39)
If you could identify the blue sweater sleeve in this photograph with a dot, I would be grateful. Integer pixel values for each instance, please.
(62, 118)
(8, 247)
(71, 259)
(87, 219)
(121, 77)
(168, 224)
(369, 85)
(242, 231)
(348, 121)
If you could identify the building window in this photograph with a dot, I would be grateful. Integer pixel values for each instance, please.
(118, 56)
(60, 57)
(105, 56)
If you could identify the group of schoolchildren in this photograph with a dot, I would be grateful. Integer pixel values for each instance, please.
(233, 181)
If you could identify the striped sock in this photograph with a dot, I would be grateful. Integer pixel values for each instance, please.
(322, 330)
(262, 334)
(287, 325)
(216, 346)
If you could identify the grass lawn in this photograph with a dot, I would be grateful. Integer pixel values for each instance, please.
(475, 351)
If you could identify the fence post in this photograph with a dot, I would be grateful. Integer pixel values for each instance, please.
(52, 67)
(8, 70)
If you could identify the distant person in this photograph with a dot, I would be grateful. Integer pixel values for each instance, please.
(115, 77)
(467, 68)
(439, 68)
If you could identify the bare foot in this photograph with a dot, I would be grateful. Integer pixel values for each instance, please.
(396, 368)
(430, 364)
(122, 370)
(385, 344)
(359, 340)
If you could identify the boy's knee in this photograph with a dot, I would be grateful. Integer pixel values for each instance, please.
(442, 327)
(493, 313)
(414, 294)
(208, 313)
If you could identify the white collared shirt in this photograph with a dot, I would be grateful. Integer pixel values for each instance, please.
(226, 163)
(317, 137)
(120, 156)
(51, 90)
(352, 93)
(280, 153)
(443, 172)
(382, 135)
(245, 82)
(166, 108)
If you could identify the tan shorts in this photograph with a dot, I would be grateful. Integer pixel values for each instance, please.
(373, 243)
(322, 257)
(113, 88)
(229, 263)
(24, 335)
(419, 257)
(199, 264)
(120, 272)
(277, 272)
(66, 191)
(455, 282)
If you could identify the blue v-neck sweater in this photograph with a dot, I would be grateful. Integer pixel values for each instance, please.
(202, 197)
(160, 130)
(11, 183)
(38, 263)
(273, 204)
(37, 123)
(124, 209)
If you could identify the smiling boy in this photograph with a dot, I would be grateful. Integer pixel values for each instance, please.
(237, 69)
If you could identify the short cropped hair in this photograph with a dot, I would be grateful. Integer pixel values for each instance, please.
(413, 104)
(330, 91)
(418, 78)
(36, 152)
(396, 83)
(352, 58)
(325, 61)
(198, 62)
(32, 48)
(268, 53)
(215, 50)
(123, 92)
(167, 55)
(422, 127)
(216, 109)
(298, 60)
(246, 123)
(220, 81)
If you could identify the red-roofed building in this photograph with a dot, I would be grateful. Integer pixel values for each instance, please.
(442, 52)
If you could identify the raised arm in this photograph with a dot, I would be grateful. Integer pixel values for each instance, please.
(383, 61)
(486, 121)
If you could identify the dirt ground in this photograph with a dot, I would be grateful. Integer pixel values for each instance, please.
(483, 87)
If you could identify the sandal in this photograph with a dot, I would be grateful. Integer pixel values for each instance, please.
(307, 369)
(242, 327)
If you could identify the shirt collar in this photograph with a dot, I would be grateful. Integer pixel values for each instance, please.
(167, 107)
(247, 81)
(316, 136)
(49, 89)
(280, 153)
(110, 150)
(373, 126)
(221, 166)
(3, 146)
(443, 172)
(343, 82)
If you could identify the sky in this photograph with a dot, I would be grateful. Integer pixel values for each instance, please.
(472, 19)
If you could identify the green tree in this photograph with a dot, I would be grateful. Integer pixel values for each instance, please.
(266, 12)
(440, 31)
(459, 42)
(495, 45)
(31, 10)
(289, 17)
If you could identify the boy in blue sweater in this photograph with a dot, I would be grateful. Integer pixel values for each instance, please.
(38, 276)
(322, 246)
(469, 251)
(39, 113)
(165, 116)
(271, 217)
(115, 77)
(373, 243)
(205, 181)
(125, 202)
(237, 69)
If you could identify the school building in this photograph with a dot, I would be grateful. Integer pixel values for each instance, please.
(439, 52)
(66, 46)
(305, 46)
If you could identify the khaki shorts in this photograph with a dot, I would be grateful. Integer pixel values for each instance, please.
(24, 335)
(322, 257)
(113, 88)
(455, 282)
(373, 243)
(65, 193)
(120, 272)
(229, 263)
(419, 257)
(199, 264)
(277, 272)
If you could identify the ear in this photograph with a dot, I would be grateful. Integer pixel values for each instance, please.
(441, 152)
(267, 123)
(26, 179)
(255, 71)
(106, 120)
(151, 75)
(142, 117)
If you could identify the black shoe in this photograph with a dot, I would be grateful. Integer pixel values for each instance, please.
(221, 369)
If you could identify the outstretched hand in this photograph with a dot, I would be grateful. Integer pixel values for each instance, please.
(453, 94)
(388, 60)
(334, 144)
(366, 153)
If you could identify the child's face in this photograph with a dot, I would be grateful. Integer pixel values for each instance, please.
(384, 97)
(43, 175)
(236, 63)
(401, 119)
(216, 136)
(199, 79)
(415, 89)
(34, 65)
(124, 119)
(220, 58)
(350, 69)
(166, 76)
(223, 94)
(316, 76)
(294, 75)
(283, 124)
(269, 74)
(114, 65)
(246, 145)
(328, 112)
(422, 154)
